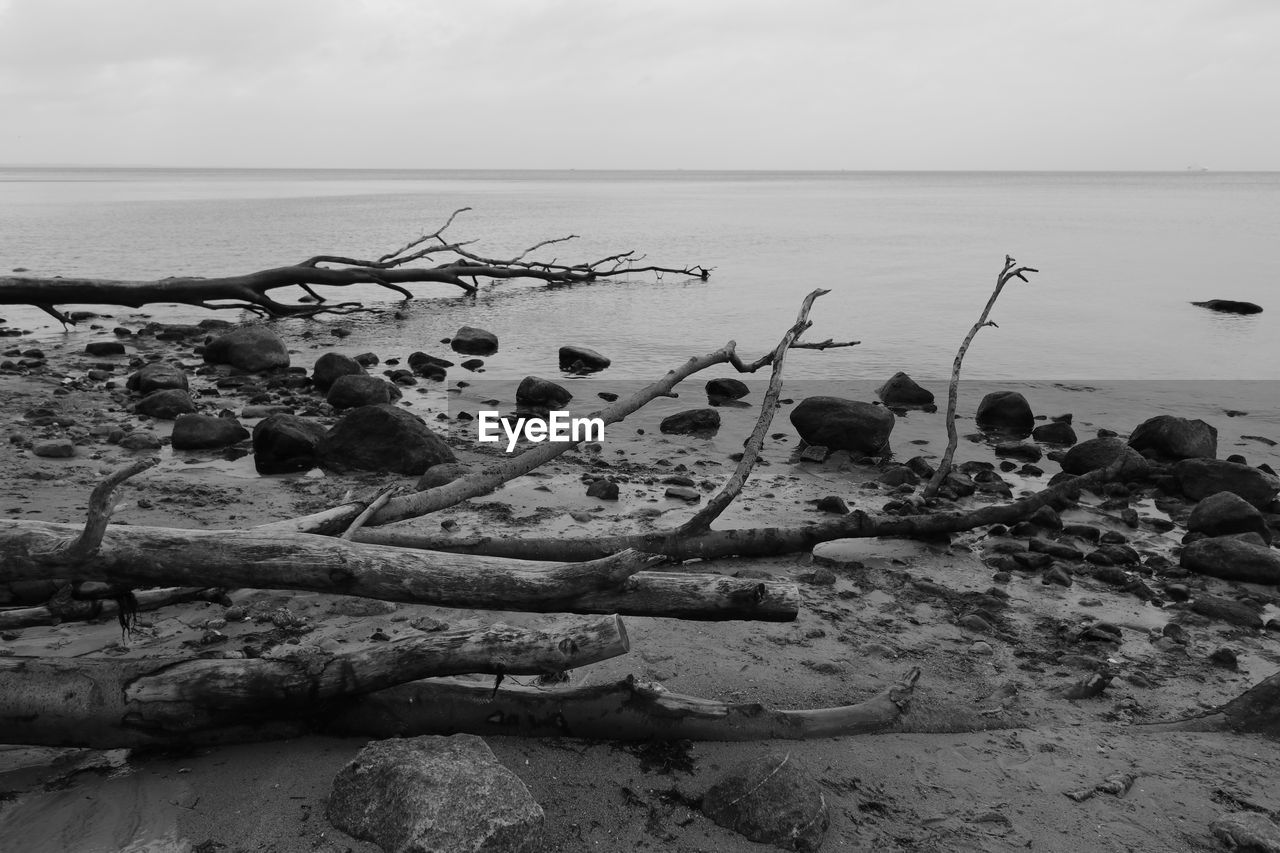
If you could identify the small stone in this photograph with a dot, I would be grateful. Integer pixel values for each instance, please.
(684, 493)
(60, 448)
(833, 504)
(603, 489)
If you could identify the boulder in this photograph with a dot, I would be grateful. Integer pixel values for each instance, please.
(141, 440)
(383, 438)
(542, 393)
(353, 390)
(727, 389)
(54, 448)
(902, 390)
(419, 361)
(1225, 513)
(1231, 559)
(204, 432)
(691, 422)
(582, 360)
(433, 793)
(1230, 306)
(1098, 453)
(472, 341)
(1201, 478)
(165, 405)
(1019, 450)
(841, 424)
(771, 799)
(1055, 432)
(157, 377)
(252, 349)
(286, 444)
(440, 475)
(104, 348)
(1248, 832)
(1006, 410)
(1171, 437)
(331, 366)
(605, 490)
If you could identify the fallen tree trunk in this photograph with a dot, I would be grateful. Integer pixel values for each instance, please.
(1256, 711)
(102, 703)
(84, 610)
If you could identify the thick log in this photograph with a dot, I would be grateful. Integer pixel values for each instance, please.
(83, 610)
(1256, 711)
(108, 703)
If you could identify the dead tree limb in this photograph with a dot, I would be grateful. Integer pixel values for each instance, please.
(83, 610)
(1255, 711)
(1010, 271)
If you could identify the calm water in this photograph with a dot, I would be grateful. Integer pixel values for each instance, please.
(910, 259)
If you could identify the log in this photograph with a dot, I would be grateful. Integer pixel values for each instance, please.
(109, 703)
(1256, 711)
(82, 610)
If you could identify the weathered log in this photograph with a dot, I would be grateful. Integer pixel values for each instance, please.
(1256, 711)
(82, 610)
(107, 703)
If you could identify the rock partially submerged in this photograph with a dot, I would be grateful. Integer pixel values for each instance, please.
(1172, 437)
(354, 390)
(331, 366)
(1098, 453)
(469, 340)
(541, 393)
(841, 424)
(165, 405)
(1006, 410)
(726, 388)
(582, 360)
(1230, 306)
(251, 348)
(383, 438)
(157, 377)
(902, 390)
(286, 444)
(206, 432)
(691, 422)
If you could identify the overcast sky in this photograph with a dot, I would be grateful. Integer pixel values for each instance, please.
(645, 84)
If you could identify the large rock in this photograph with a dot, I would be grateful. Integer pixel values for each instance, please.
(582, 360)
(165, 405)
(1200, 478)
(1099, 453)
(902, 390)
(843, 424)
(383, 438)
(542, 393)
(472, 341)
(1171, 437)
(205, 432)
(435, 794)
(770, 800)
(286, 444)
(1230, 306)
(353, 390)
(1232, 559)
(1225, 513)
(1006, 410)
(157, 377)
(331, 366)
(1055, 432)
(252, 349)
(727, 388)
(691, 422)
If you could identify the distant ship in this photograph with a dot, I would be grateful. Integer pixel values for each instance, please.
(1196, 168)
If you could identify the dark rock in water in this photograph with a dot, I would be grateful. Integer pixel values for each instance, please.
(605, 490)
(840, 424)
(921, 467)
(691, 422)
(957, 485)
(1224, 513)
(352, 391)
(542, 393)
(1229, 306)
(419, 360)
(157, 377)
(1228, 610)
(432, 793)
(285, 444)
(771, 799)
(54, 448)
(1019, 450)
(383, 438)
(727, 389)
(440, 475)
(1201, 478)
(165, 405)
(472, 364)
(1099, 453)
(331, 366)
(252, 349)
(366, 359)
(472, 341)
(1171, 437)
(1055, 432)
(104, 348)
(141, 440)
(205, 432)
(902, 390)
(1006, 410)
(582, 360)
(1231, 559)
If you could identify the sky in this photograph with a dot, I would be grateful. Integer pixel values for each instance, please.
(643, 84)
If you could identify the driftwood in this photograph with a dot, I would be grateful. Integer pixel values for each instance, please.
(72, 609)
(1256, 711)
(390, 271)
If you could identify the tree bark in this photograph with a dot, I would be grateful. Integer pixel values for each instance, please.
(82, 610)
(1256, 711)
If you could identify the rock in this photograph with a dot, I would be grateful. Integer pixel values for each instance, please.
(684, 493)
(472, 341)
(1225, 513)
(204, 432)
(383, 438)
(1249, 832)
(432, 793)
(330, 366)
(352, 391)
(252, 349)
(771, 799)
(727, 389)
(841, 424)
(899, 475)
(605, 490)
(428, 366)
(104, 348)
(165, 405)
(439, 475)
(833, 504)
(1230, 306)
(1006, 410)
(1019, 450)
(1099, 453)
(582, 360)
(367, 359)
(691, 422)
(1170, 437)
(1231, 559)
(141, 440)
(1202, 478)
(1228, 610)
(157, 377)
(542, 393)
(55, 448)
(1055, 432)
(285, 444)
(902, 390)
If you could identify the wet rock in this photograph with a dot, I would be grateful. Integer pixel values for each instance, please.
(833, 504)
(1225, 513)
(684, 493)
(1099, 453)
(542, 393)
(104, 348)
(1248, 832)
(472, 341)
(140, 440)
(899, 475)
(205, 432)
(434, 794)
(1201, 478)
(902, 390)
(727, 389)
(330, 366)
(56, 448)
(366, 359)
(352, 391)
(957, 485)
(1019, 450)
(472, 364)
(1113, 555)
(285, 444)
(691, 422)
(1056, 575)
(442, 474)
(1055, 549)
(1230, 558)
(582, 360)
(252, 349)
(428, 366)
(1227, 610)
(1055, 432)
(605, 490)
(771, 799)
(383, 438)
(841, 424)
(1006, 410)
(1230, 306)
(165, 405)
(921, 467)
(1172, 437)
